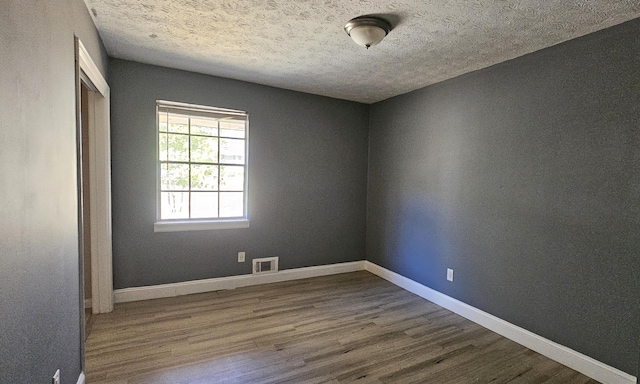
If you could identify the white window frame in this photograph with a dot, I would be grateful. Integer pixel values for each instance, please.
(174, 225)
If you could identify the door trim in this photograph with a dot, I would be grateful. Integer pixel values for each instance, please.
(99, 183)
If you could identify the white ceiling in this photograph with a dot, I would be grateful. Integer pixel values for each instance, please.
(301, 45)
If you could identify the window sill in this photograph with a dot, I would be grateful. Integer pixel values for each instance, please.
(194, 225)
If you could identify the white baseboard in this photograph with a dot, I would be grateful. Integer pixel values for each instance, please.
(231, 282)
(80, 378)
(572, 359)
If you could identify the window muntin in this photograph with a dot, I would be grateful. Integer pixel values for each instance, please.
(202, 161)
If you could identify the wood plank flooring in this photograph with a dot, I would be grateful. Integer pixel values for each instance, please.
(352, 327)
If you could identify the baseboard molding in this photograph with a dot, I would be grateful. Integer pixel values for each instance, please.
(572, 359)
(231, 282)
(80, 378)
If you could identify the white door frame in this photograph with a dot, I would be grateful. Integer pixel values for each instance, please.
(99, 183)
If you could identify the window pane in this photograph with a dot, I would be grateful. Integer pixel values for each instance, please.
(178, 123)
(204, 205)
(174, 205)
(202, 159)
(204, 149)
(162, 121)
(231, 178)
(204, 177)
(232, 129)
(204, 126)
(163, 150)
(231, 204)
(174, 176)
(232, 151)
(178, 147)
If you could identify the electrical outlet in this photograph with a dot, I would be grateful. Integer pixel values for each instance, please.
(241, 257)
(56, 378)
(449, 274)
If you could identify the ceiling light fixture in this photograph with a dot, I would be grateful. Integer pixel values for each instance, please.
(367, 30)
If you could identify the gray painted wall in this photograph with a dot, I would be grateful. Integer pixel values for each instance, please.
(307, 178)
(523, 178)
(39, 286)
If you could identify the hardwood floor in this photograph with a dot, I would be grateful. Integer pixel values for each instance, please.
(352, 327)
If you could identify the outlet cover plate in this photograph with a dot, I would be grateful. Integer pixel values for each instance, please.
(449, 274)
(241, 256)
(56, 378)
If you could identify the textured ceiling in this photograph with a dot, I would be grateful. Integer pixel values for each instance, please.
(301, 45)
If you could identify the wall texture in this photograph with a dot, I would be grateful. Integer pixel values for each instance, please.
(307, 178)
(39, 279)
(523, 178)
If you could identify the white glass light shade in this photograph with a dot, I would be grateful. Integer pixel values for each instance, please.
(367, 30)
(367, 35)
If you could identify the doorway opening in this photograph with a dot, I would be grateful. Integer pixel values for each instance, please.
(94, 192)
(86, 206)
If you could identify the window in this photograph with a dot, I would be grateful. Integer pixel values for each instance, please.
(202, 167)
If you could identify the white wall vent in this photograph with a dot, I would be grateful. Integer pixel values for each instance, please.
(265, 265)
